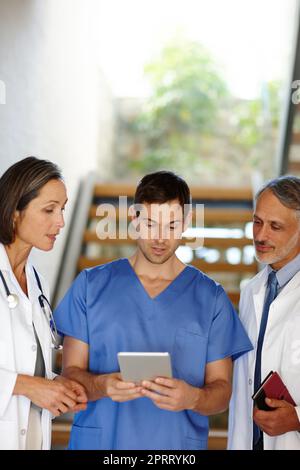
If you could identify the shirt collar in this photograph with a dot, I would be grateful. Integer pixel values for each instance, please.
(33, 288)
(285, 274)
(4, 261)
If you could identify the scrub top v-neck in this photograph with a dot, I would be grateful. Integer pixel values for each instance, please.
(167, 294)
(139, 283)
(108, 308)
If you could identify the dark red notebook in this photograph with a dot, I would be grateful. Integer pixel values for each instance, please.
(271, 387)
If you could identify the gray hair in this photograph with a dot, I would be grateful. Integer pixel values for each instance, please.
(286, 189)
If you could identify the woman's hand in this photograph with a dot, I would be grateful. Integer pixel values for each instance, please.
(57, 396)
(78, 389)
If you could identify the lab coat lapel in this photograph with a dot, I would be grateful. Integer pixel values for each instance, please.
(39, 320)
(11, 280)
(284, 304)
(32, 287)
(4, 261)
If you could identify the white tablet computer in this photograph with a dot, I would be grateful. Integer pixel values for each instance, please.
(138, 366)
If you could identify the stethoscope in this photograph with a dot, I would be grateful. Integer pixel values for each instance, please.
(13, 301)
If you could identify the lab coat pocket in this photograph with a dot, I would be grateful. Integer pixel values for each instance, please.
(189, 356)
(195, 444)
(8, 435)
(85, 438)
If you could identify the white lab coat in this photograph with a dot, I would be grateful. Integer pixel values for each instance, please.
(281, 353)
(18, 355)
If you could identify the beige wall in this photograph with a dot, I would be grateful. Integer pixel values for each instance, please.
(58, 105)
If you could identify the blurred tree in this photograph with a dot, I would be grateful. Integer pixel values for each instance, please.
(186, 93)
(255, 124)
(192, 124)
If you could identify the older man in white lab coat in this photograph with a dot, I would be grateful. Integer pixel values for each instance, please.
(270, 312)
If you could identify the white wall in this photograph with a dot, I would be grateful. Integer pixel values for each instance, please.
(58, 105)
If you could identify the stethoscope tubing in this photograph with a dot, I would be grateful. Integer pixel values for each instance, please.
(4, 284)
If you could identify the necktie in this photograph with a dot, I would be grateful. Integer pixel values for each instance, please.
(272, 287)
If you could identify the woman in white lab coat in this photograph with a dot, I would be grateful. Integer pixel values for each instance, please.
(32, 200)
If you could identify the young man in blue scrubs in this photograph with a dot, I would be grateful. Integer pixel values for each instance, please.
(151, 302)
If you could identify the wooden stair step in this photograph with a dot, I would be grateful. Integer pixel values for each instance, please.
(114, 190)
(218, 216)
(294, 167)
(60, 433)
(234, 297)
(91, 237)
(296, 138)
(85, 262)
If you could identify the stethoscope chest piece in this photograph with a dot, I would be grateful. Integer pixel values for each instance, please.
(12, 300)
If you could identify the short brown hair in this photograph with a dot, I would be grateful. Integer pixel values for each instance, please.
(18, 186)
(161, 187)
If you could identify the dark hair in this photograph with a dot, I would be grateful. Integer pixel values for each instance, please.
(18, 186)
(286, 189)
(161, 187)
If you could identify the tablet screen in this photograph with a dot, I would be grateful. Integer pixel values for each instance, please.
(138, 366)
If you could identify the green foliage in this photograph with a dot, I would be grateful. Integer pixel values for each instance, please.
(257, 117)
(192, 124)
(186, 87)
(186, 94)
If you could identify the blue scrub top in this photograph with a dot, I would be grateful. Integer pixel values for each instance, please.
(108, 308)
